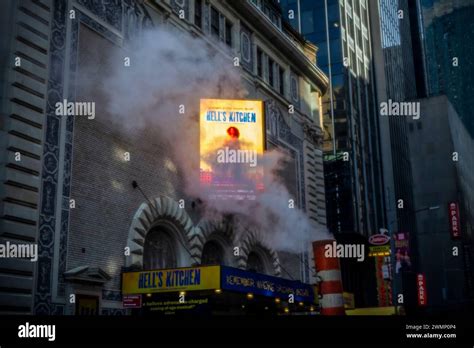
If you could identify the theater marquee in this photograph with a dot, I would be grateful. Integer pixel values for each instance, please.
(165, 280)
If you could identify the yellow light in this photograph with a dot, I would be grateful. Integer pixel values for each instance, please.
(148, 295)
(218, 291)
(311, 309)
(250, 296)
(287, 310)
(301, 304)
(277, 300)
(182, 293)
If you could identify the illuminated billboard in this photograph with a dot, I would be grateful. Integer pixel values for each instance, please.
(231, 146)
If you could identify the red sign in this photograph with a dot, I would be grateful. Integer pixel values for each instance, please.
(132, 301)
(379, 239)
(421, 286)
(454, 220)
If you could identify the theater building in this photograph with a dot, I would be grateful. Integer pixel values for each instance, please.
(101, 222)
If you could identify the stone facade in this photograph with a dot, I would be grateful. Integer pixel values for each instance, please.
(81, 242)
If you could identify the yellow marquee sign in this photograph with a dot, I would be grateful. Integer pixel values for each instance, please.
(165, 280)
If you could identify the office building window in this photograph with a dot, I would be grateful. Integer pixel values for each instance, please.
(228, 33)
(271, 68)
(198, 13)
(282, 80)
(214, 22)
(259, 62)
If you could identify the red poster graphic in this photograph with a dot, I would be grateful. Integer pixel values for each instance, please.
(421, 286)
(454, 220)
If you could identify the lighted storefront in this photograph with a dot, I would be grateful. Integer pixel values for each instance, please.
(210, 290)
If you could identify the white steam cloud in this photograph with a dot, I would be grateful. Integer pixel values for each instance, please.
(168, 70)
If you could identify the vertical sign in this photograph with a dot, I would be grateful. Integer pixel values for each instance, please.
(402, 251)
(232, 141)
(454, 220)
(421, 286)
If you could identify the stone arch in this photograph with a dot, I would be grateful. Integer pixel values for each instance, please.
(162, 211)
(252, 243)
(218, 230)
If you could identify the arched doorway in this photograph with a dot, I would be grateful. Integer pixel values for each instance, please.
(159, 250)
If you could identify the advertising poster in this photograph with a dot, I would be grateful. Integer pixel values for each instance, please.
(231, 145)
(402, 251)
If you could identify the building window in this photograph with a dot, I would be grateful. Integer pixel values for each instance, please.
(271, 68)
(410, 126)
(214, 22)
(259, 62)
(255, 263)
(245, 46)
(228, 33)
(294, 88)
(212, 254)
(159, 250)
(418, 125)
(198, 13)
(282, 80)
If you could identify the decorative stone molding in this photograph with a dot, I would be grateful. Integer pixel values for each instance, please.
(206, 230)
(313, 133)
(147, 217)
(251, 242)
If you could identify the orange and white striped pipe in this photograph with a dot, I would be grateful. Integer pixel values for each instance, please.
(329, 271)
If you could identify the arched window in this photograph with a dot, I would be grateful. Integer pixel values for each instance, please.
(255, 263)
(159, 250)
(212, 254)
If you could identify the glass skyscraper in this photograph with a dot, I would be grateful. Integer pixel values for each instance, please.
(355, 206)
(340, 30)
(448, 36)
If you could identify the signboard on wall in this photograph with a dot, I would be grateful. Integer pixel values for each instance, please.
(132, 301)
(421, 286)
(232, 141)
(235, 279)
(402, 251)
(454, 222)
(165, 280)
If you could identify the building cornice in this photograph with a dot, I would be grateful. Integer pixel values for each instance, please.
(266, 28)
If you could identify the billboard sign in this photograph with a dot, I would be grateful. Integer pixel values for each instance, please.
(454, 220)
(235, 279)
(231, 145)
(379, 239)
(402, 251)
(165, 280)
